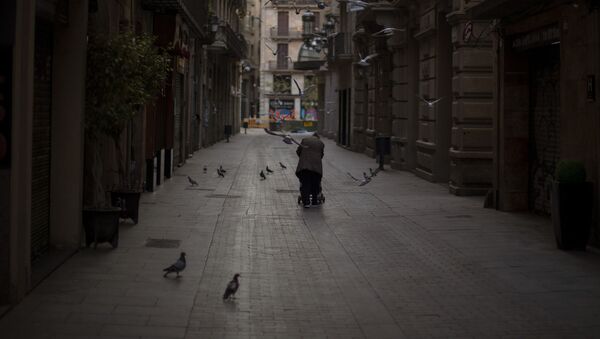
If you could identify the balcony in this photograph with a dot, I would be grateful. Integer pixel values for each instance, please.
(194, 12)
(229, 42)
(286, 65)
(289, 34)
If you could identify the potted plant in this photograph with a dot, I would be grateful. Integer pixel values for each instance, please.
(571, 205)
(124, 72)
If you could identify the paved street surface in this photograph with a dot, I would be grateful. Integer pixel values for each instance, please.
(397, 258)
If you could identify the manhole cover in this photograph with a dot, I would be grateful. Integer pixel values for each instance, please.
(286, 191)
(162, 243)
(460, 216)
(199, 189)
(223, 196)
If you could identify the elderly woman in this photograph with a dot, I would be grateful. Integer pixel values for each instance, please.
(310, 168)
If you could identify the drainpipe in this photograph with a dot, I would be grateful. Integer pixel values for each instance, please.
(499, 75)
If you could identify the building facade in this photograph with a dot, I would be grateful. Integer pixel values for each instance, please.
(43, 144)
(290, 83)
(250, 67)
(487, 96)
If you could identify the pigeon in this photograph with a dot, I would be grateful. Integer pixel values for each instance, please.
(429, 103)
(282, 165)
(232, 287)
(266, 3)
(271, 49)
(204, 169)
(388, 31)
(364, 62)
(177, 267)
(221, 169)
(262, 175)
(269, 170)
(192, 181)
(220, 173)
(364, 182)
(300, 91)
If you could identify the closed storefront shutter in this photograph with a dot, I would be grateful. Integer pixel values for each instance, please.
(544, 126)
(40, 189)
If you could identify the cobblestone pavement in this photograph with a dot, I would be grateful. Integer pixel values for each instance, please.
(399, 257)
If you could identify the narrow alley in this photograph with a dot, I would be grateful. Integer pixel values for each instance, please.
(398, 257)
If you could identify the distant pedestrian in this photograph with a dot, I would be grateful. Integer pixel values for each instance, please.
(310, 168)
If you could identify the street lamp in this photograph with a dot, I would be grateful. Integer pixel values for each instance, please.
(308, 24)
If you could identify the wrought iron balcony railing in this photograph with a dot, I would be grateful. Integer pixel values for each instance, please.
(277, 33)
(275, 65)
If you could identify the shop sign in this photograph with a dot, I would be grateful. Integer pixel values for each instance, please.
(542, 37)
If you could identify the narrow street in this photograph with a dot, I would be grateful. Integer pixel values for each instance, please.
(399, 257)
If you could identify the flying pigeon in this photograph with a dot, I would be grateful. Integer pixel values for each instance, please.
(220, 173)
(271, 49)
(221, 169)
(269, 170)
(300, 91)
(429, 103)
(262, 175)
(177, 267)
(267, 2)
(192, 181)
(282, 165)
(388, 31)
(232, 287)
(364, 62)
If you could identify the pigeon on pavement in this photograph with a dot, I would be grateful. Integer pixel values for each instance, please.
(177, 267)
(192, 181)
(262, 175)
(365, 181)
(232, 287)
(269, 170)
(221, 169)
(374, 173)
(204, 169)
(282, 165)
(220, 173)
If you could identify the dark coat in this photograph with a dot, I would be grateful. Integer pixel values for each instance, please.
(311, 152)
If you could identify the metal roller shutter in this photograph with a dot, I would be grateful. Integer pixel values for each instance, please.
(544, 126)
(40, 190)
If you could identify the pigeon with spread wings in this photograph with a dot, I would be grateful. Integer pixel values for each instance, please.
(286, 138)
